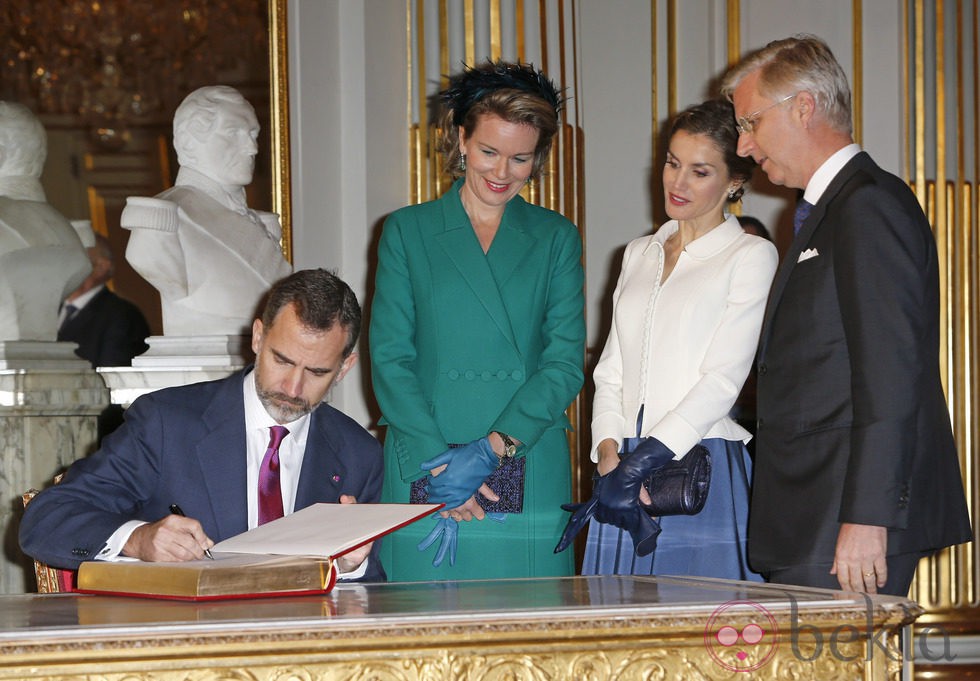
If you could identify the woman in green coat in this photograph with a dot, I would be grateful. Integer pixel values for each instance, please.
(477, 341)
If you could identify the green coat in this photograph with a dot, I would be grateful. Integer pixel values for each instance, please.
(464, 343)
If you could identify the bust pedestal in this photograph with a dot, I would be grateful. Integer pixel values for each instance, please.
(50, 401)
(177, 360)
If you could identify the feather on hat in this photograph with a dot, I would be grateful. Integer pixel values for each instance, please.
(474, 83)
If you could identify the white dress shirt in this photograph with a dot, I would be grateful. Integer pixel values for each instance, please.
(683, 347)
(291, 452)
(827, 171)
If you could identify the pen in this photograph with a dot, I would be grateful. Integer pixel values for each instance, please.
(175, 509)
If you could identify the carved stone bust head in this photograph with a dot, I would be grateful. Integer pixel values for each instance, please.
(216, 133)
(23, 141)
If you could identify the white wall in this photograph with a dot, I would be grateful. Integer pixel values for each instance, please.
(348, 133)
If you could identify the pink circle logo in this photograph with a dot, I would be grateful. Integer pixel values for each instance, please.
(741, 636)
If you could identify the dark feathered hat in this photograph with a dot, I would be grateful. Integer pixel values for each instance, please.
(473, 84)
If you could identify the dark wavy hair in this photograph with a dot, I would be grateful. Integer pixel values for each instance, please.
(715, 119)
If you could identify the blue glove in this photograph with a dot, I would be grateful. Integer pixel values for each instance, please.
(581, 513)
(466, 469)
(619, 497)
(447, 529)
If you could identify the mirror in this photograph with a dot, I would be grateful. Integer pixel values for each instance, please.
(105, 78)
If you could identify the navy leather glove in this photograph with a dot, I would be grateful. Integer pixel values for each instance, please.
(466, 469)
(581, 514)
(619, 498)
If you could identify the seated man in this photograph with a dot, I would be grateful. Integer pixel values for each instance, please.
(208, 254)
(206, 447)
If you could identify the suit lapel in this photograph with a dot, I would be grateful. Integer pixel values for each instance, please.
(512, 243)
(461, 247)
(222, 457)
(323, 474)
(801, 240)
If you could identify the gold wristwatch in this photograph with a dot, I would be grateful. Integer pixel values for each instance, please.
(510, 447)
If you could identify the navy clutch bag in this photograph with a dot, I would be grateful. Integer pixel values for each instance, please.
(680, 487)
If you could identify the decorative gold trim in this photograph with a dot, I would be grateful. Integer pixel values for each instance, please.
(671, 57)
(495, 30)
(513, 646)
(520, 29)
(734, 21)
(858, 89)
(469, 23)
(279, 120)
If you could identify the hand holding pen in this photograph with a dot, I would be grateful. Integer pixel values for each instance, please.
(173, 538)
(176, 510)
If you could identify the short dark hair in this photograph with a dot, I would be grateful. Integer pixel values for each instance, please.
(321, 300)
(715, 119)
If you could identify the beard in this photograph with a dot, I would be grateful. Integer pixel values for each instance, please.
(280, 406)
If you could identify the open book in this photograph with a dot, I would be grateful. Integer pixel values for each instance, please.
(292, 555)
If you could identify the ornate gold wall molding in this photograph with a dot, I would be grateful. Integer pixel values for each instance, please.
(943, 169)
(941, 47)
(445, 34)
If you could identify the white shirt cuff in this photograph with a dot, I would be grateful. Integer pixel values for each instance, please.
(115, 543)
(356, 573)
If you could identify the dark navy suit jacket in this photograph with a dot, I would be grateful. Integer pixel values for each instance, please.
(186, 445)
(109, 330)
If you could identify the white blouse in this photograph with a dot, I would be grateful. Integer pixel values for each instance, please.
(683, 347)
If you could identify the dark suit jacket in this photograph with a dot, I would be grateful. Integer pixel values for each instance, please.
(853, 425)
(109, 331)
(186, 446)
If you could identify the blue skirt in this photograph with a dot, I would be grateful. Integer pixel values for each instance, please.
(709, 544)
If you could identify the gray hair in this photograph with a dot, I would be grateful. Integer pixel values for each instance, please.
(791, 65)
(23, 140)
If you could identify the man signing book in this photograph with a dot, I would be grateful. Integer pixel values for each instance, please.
(231, 454)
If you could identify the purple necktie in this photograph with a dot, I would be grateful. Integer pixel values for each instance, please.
(270, 495)
(802, 211)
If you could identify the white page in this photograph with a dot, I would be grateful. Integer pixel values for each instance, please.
(325, 530)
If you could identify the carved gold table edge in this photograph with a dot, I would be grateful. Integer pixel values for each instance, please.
(568, 642)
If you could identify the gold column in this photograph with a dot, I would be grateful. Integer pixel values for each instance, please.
(279, 119)
(946, 584)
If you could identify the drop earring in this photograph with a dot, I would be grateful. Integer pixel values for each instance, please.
(462, 161)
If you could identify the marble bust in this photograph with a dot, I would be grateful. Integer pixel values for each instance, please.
(209, 255)
(42, 258)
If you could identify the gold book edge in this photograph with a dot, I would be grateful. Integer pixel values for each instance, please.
(228, 575)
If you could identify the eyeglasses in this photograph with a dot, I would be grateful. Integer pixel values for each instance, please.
(746, 124)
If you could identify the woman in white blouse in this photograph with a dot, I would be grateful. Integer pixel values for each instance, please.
(687, 311)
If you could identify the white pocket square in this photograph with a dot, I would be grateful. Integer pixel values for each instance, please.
(807, 254)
